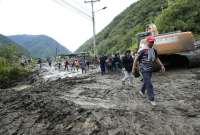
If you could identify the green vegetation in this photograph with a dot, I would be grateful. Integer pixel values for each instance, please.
(9, 52)
(10, 70)
(181, 15)
(9, 47)
(10, 73)
(168, 15)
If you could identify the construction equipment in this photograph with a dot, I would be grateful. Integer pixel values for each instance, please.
(176, 48)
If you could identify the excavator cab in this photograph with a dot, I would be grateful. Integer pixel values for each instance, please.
(140, 36)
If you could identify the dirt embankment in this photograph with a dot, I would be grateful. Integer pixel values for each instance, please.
(96, 105)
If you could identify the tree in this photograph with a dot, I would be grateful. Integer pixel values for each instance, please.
(181, 15)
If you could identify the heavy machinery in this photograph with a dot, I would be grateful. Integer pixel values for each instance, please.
(175, 49)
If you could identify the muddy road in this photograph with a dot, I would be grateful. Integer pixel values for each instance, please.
(99, 105)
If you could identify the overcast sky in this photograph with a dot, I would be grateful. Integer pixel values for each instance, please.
(66, 25)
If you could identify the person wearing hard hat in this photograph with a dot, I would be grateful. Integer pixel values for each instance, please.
(146, 56)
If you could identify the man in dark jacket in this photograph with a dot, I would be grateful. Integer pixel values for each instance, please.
(127, 62)
(116, 63)
(103, 64)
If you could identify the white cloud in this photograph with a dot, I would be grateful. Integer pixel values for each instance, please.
(47, 17)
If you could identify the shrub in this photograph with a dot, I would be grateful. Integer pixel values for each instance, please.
(10, 73)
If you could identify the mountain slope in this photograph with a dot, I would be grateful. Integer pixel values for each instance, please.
(9, 47)
(40, 46)
(180, 15)
(119, 35)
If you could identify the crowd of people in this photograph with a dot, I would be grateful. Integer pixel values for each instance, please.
(110, 63)
(132, 65)
(76, 64)
(118, 64)
(139, 63)
(70, 64)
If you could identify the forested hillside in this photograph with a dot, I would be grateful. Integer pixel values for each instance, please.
(181, 15)
(10, 69)
(9, 48)
(168, 15)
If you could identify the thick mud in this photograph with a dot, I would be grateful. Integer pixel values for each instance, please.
(100, 105)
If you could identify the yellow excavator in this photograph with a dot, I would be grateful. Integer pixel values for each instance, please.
(178, 49)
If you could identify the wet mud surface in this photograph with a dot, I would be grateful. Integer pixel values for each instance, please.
(101, 105)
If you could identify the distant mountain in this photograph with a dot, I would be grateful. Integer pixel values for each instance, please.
(7, 44)
(40, 46)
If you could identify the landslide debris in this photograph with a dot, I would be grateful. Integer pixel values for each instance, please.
(100, 105)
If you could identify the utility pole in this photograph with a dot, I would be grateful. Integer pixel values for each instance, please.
(93, 22)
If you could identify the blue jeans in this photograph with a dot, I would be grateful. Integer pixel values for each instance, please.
(116, 67)
(147, 85)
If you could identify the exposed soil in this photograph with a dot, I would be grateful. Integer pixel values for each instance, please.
(100, 105)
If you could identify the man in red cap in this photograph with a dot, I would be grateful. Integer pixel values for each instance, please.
(146, 56)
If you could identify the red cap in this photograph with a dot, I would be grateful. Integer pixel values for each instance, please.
(150, 39)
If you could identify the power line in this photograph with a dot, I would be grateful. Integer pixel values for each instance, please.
(86, 16)
(63, 2)
(68, 5)
(81, 11)
(83, 7)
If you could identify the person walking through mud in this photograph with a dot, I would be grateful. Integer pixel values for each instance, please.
(146, 56)
(116, 63)
(66, 63)
(40, 62)
(59, 64)
(109, 64)
(49, 60)
(72, 65)
(88, 64)
(127, 62)
(102, 60)
(83, 66)
(77, 64)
